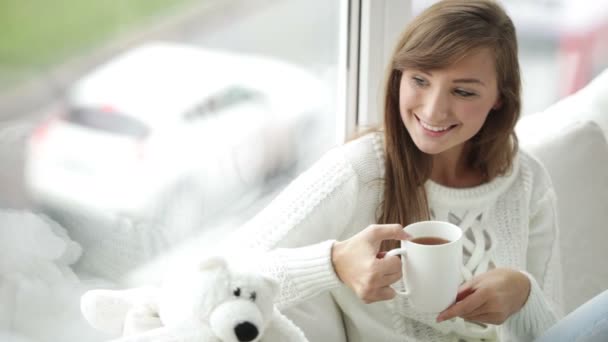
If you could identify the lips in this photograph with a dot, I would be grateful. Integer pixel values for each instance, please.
(434, 130)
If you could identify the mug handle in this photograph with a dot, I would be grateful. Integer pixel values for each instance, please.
(399, 251)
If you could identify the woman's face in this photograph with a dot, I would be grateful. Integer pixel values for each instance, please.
(444, 108)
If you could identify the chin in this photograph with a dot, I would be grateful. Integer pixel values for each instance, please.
(430, 147)
(432, 150)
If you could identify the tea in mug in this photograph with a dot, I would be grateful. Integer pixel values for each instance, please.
(429, 240)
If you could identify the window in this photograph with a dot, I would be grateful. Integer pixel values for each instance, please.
(236, 95)
(111, 122)
(288, 59)
(223, 100)
(307, 52)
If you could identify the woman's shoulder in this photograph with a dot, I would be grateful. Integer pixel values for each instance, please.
(534, 172)
(366, 155)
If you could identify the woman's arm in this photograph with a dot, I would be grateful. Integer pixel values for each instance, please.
(291, 239)
(544, 304)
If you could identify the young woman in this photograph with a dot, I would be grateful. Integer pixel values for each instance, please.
(447, 151)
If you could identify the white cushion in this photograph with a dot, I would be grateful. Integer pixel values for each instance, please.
(595, 96)
(319, 318)
(588, 104)
(577, 160)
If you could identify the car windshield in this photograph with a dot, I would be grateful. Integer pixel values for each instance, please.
(108, 121)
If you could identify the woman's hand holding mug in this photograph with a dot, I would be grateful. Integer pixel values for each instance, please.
(490, 297)
(434, 276)
(357, 265)
(432, 259)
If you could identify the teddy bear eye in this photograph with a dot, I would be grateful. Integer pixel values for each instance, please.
(253, 296)
(237, 292)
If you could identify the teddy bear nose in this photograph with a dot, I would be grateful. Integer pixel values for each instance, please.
(246, 332)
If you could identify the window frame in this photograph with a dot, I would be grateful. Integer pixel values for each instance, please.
(370, 31)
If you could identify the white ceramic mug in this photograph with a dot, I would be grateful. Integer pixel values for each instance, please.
(432, 273)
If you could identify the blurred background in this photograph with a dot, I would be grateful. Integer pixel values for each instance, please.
(137, 126)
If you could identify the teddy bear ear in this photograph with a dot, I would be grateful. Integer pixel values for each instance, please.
(213, 263)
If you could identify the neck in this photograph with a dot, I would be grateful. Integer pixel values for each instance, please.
(450, 168)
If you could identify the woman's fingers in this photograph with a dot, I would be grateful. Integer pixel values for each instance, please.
(388, 265)
(463, 307)
(496, 295)
(390, 279)
(377, 233)
(465, 290)
(482, 310)
(381, 293)
(386, 293)
(489, 318)
(364, 269)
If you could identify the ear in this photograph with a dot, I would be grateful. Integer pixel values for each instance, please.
(213, 263)
(498, 104)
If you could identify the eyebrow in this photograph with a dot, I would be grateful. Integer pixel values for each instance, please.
(460, 80)
(468, 80)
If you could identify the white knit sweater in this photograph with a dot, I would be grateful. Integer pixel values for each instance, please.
(509, 222)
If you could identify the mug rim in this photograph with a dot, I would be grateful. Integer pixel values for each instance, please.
(455, 227)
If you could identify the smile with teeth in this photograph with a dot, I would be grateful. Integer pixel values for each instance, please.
(434, 128)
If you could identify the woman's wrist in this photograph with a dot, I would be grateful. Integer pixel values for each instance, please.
(336, 255)
(526, 287)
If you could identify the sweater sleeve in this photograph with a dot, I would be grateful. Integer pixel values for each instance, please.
(544, 304)
(291, 239)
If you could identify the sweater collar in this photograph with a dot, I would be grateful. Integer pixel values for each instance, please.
(439, 194)
(466, 197)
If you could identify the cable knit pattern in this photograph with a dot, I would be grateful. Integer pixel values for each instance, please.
(293, 206)
(509, 222)
(305, 271)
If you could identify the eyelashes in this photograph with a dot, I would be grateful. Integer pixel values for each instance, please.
(422, 83)
(464, 93)
(419, 81)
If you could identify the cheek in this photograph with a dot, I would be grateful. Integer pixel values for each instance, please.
(408, 99)
(407, 96)
(473, 115)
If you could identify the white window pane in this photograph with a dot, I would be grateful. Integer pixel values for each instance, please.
(116, 114)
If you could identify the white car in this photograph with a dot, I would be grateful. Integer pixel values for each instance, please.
(169, 128)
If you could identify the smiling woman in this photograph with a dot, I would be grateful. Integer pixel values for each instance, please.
(444, 108)
(446, 151)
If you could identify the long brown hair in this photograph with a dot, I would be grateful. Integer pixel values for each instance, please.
(438, 37)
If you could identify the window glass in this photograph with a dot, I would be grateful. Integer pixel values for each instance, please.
(227, 99)
(108, 121)
(190, 182)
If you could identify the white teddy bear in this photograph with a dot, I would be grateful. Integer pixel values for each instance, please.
(211, 303)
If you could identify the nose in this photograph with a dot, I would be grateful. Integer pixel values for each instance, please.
(246, 332)
(435, 106)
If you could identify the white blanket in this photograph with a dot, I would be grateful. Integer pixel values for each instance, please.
(39, 292)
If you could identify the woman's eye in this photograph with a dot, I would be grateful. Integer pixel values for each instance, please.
(237, 292)
(253, 296)
(463, 93)
(419, 81)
